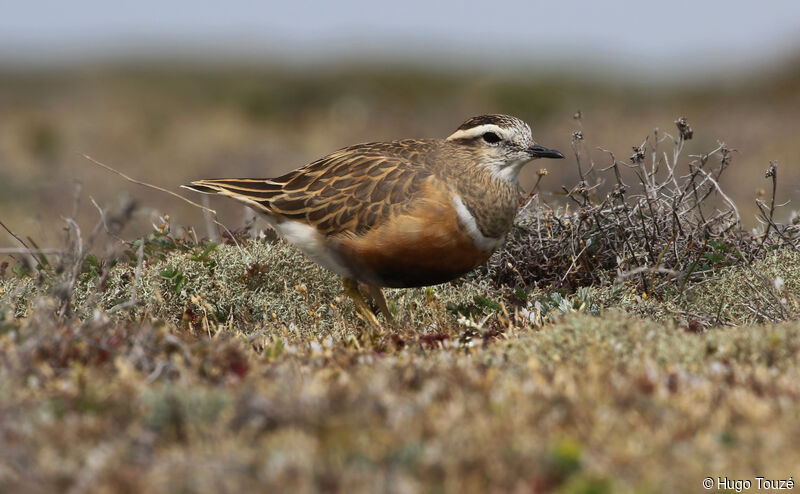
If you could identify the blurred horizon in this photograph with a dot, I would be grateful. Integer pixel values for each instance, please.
(615, 39)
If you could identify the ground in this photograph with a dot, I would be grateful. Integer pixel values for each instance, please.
(286, 388)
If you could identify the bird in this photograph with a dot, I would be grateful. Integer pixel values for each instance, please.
(400, 214)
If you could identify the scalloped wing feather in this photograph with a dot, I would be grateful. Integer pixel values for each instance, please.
(350, 191)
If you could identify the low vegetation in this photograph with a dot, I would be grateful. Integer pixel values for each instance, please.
(634, 338)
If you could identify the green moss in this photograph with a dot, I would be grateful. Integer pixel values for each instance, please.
(268, 283)
(262, 281)
(746, 296)
(273, 284)
(770, 286)
(16, 296)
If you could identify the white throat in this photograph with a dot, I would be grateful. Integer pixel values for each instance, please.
(507, 172)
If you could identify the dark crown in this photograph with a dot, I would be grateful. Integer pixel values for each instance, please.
(499, 120)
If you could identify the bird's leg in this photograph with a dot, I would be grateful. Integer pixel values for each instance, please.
(376, 294)
(351, 289)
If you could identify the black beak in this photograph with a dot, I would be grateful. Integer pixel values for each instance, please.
(538, 151)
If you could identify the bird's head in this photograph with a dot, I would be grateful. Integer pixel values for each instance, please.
(504, 144)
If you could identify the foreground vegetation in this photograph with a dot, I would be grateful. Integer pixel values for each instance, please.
(180, 394)
(637, 340)
(589, 404)
(244, 369)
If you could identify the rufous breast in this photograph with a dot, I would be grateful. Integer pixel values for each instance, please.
(426, 245)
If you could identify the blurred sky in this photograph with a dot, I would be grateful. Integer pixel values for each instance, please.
(655, 37)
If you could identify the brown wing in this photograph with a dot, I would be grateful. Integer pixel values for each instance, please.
(350, 191)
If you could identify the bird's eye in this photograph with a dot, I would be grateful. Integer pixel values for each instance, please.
(491, 137)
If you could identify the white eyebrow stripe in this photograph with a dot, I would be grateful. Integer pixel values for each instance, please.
(477, 131)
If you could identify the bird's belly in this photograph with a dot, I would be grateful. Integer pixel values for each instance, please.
(426, 247)
(418, 264)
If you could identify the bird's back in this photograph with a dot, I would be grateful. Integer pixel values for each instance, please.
(349, 191)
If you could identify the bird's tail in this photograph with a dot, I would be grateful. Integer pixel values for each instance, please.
(254, 192)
